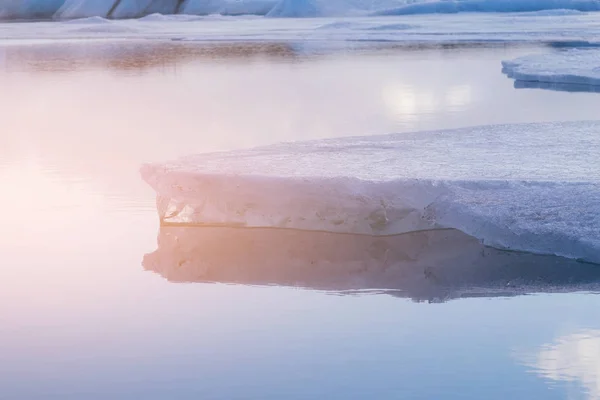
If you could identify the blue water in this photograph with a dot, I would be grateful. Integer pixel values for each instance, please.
(80, 317)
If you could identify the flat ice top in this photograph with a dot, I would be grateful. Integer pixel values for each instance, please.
(531, 187)
(556, 152)
(482, 27)
(567, 67)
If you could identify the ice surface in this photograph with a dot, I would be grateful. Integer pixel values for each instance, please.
(456, 6)
(229, 7)
(434, 265)
(89, 21)
(29, 9)
(278, 8)
(295, 8)
(530, 187)
(202, 7)
(559, 12)
(328, 8)
(84, 8)
(331, 32)
(157, 17)
(573, 67)
(139, 8)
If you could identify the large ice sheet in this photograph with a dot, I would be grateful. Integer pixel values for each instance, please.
(530, 187)
(456, 6)
(279, 8)
(331, 32)
(570, 68)
(433, 265)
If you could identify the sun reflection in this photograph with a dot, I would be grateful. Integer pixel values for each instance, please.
(458, 96)
(35, 200)
(572, 358)
(404, 100)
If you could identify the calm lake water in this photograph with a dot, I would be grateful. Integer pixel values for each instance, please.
(81, 318)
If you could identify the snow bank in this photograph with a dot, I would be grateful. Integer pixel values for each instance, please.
(88, 21)
(531, 187)
(455, 6)
(574, 67)
(156, 17)
(432, 265)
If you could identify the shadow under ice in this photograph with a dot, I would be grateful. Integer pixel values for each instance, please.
(433, 266)
(557, 87)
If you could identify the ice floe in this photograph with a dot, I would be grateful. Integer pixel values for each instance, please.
(526, 187)
(571, 68)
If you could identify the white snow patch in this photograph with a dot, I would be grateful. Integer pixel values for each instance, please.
(110, 28)
(570, 67)
(530, 187)
(88, 21)
(157, 17)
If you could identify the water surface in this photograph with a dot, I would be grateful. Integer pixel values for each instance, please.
(80, 317)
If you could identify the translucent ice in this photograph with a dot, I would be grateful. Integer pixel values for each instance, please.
(530, 187)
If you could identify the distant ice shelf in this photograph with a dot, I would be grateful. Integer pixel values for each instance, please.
(62, 9)
(569, 70)
(525, 187)
(456, 6)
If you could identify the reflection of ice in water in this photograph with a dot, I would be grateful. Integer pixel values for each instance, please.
(573, 358)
